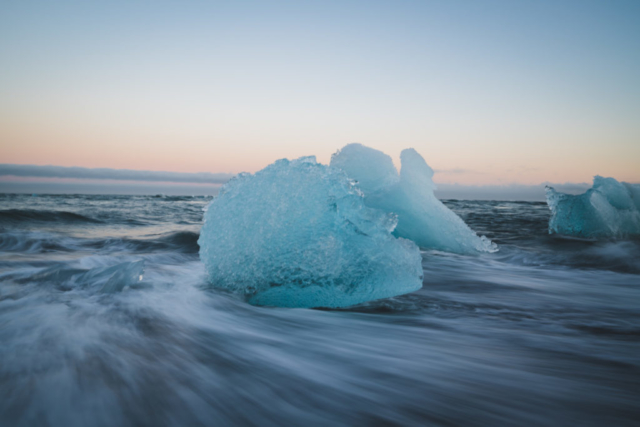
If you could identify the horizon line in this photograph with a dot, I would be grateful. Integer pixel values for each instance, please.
(84, 173)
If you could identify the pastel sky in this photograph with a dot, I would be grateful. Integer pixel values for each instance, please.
(490, 92)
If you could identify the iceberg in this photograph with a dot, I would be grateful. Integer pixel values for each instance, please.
(422, 218)
(298, 234)
(609, 209)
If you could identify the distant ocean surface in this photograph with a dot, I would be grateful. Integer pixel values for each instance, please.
(107, 319)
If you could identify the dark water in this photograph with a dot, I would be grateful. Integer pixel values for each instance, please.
(544, 332)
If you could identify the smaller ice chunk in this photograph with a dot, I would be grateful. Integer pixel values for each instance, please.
(297, 234)
(608, 209)
(422, 218)
(120, 276)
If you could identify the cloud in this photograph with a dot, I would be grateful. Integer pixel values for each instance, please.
(112, 174)
(191, 183)
(505, 192)
(459, 171)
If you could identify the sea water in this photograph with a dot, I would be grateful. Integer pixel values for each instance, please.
(107, 318)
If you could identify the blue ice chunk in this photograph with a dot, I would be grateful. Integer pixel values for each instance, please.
(422, 218)
(121, 276)
(608, 209)
(112, 279)
(297, 234)
(634, 192)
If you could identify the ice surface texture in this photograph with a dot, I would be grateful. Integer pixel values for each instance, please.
(298, 234)
(422, 218)
(608, 209)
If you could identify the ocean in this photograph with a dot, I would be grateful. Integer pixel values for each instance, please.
(107, 319)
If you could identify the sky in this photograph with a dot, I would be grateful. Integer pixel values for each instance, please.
(490, 92)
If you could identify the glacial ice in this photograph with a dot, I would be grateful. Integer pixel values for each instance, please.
(422, 218)
(608, 209)
(298, 234)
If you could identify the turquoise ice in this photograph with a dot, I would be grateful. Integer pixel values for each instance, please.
(608, 209)
(422, 218)
(298, 234)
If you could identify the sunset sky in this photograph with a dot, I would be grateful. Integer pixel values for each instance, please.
(493, 92)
